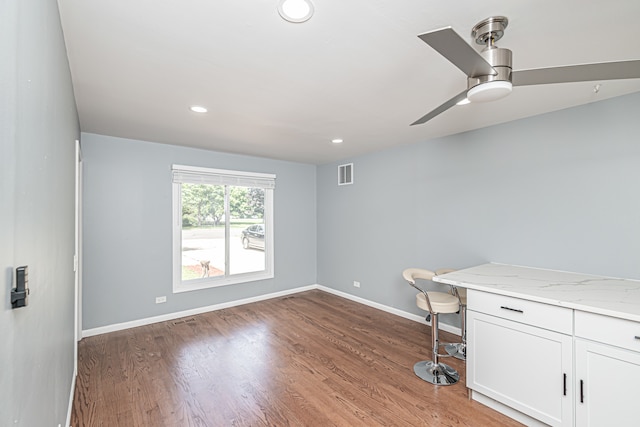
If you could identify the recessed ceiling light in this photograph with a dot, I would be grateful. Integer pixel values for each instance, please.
(337, 140)
(198, 109)
(295, 10)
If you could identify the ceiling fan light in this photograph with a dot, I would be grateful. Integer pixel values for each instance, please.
(489, 91)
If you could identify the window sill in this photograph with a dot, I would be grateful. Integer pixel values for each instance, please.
(214, 282)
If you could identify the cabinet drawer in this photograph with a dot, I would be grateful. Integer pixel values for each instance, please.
(609, 330)
(533, 313)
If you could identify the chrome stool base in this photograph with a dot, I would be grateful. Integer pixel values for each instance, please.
(457, 350)
(440, 374)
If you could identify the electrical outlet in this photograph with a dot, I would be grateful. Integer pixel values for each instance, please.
(160, 300)
(356, 284)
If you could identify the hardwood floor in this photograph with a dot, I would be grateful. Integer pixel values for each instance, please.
(310, 359)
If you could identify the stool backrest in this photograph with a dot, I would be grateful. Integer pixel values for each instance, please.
(411, 274)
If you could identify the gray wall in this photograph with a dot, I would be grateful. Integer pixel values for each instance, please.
(38, 127)
(128, 236)
(558, 191)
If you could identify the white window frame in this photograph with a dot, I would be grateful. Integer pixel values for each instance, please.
(199, 175)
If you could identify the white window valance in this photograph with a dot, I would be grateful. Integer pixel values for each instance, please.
(200, 175)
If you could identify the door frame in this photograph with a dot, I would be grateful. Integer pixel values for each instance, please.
(77, 258)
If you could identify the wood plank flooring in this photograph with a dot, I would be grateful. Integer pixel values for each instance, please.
(310, 359)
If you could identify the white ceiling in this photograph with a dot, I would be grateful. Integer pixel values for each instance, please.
(356, 70)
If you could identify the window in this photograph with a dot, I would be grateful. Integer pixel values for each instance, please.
(222, 227)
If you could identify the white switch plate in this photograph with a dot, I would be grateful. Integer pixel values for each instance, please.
(160, 300)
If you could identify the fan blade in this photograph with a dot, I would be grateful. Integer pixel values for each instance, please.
(441, 109)
(578, 73)
(453, 47)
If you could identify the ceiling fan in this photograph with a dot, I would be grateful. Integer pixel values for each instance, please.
(489, 72)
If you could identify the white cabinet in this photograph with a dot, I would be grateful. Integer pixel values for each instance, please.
(607, 376)
(514, 361)
(528, 328)
(546, 361)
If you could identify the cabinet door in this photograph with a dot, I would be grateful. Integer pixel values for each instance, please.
(607, 381)
(521, 366)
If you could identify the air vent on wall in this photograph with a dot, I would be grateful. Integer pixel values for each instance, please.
(345, 174)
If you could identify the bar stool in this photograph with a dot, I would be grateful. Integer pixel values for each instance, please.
(458, 350)
(435, 303)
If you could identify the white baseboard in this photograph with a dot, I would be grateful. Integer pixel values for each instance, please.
(171, 316)
(506, 410)
(200, 310)
(397, 312)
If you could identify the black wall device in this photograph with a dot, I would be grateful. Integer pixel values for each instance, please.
(19, 295)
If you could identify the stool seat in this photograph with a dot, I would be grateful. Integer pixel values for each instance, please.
(441, 302)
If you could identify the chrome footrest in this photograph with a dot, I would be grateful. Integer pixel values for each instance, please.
(439, 374)
(457, 350)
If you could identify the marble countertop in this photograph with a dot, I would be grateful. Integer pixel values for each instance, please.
(595, 294)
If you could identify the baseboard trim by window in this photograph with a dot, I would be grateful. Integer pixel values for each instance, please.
(171, 316)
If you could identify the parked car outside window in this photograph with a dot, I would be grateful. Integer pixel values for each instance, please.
(253, 237)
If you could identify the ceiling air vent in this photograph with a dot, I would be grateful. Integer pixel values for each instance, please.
(345, 174)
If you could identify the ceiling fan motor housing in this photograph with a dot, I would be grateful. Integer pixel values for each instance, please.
(500, 59)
